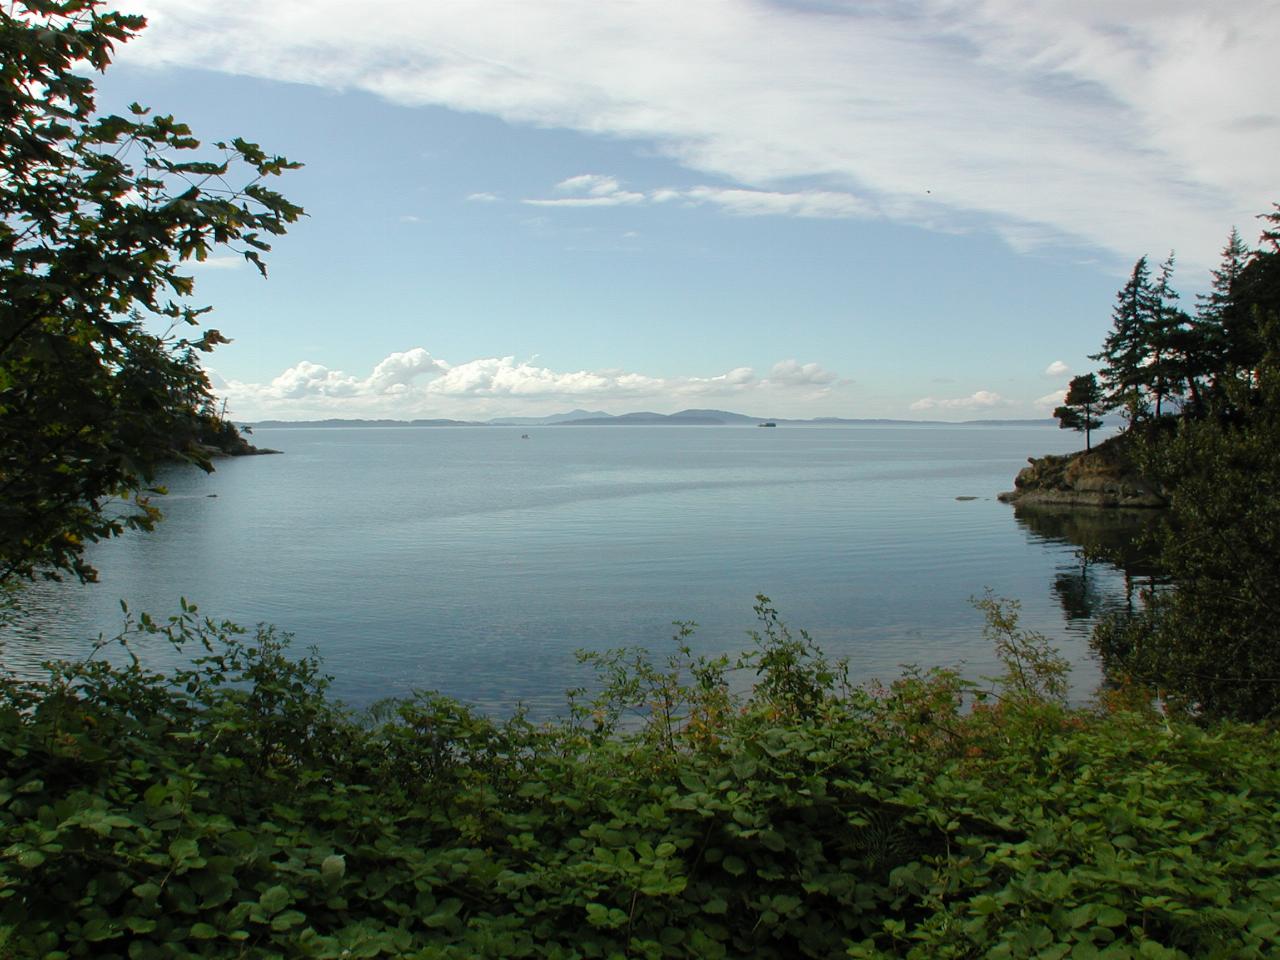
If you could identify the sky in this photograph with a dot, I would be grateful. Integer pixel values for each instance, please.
(917, 209)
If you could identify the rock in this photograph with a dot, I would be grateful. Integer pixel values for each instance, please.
(238, 448)
(1101, 477)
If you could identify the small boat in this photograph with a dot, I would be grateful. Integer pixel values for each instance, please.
(524, 436)
(767, 423)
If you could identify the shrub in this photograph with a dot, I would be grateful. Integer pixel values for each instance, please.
(231, 809)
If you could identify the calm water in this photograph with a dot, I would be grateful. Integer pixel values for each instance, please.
(475, 562)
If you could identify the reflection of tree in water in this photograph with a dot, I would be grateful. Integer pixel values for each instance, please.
(1106, 540)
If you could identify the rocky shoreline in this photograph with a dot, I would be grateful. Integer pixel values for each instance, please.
(1103, 477)
(233, 447)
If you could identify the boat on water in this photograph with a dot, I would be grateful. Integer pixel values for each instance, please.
(767, 423)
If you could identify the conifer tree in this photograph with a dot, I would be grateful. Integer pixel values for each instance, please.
(1166, 339)
(1083, 406)
(1209, 354)
(1126, 350)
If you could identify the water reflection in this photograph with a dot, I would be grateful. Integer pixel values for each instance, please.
(1106, 540)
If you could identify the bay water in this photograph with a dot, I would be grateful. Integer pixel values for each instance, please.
(475, 561)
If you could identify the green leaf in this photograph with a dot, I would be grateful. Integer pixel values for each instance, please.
(274, 899)
(97, 929)
(333, 867)
(1110, 917)
(734, 866)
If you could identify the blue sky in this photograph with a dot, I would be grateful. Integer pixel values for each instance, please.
(903, 209)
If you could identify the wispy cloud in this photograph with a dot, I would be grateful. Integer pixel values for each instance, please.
(414, 383)
(1127, 125)
(597, 190)
(1051, 401)
(590, 190)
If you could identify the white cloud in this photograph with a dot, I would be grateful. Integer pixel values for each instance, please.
(413, 383)
(981, 400)
(1056, 369)
(483, 197)
(794, 373)
(399, 370)
(306, 379)
(596, 190)
(761, 203)
(1130, 125)
(590, 190)
(1051, 401)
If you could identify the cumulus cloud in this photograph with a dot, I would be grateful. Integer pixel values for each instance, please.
(1124, 124)
(980, 400)
(1051, 401)
(307, 379)
(794, 373)
(399, 370)
(1056, 369)
(414, 383)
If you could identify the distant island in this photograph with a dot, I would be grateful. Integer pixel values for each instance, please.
(684, 418)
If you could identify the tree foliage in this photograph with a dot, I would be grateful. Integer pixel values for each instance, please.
(100, 379)
(1209, 642)
(1083, 406)
(1142, 363)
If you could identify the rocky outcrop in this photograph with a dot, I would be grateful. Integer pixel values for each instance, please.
(222, 438)
(1102, 477)
(235, 447)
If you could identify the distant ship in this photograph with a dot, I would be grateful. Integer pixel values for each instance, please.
(767, 423)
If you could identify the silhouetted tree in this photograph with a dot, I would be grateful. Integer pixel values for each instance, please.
(1083, 406)
(1127, 349)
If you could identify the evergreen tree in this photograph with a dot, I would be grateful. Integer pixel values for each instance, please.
(1255, 306)
(1166, 337)
(1083, 406)
(1208, 357)
(1126, 351)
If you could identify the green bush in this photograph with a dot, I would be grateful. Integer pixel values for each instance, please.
(232, 809)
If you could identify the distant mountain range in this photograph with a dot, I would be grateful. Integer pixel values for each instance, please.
(684, 418)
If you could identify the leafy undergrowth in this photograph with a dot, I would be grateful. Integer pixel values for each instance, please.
(232, 810)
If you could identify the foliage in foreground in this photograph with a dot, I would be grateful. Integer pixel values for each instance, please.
(230, 809)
